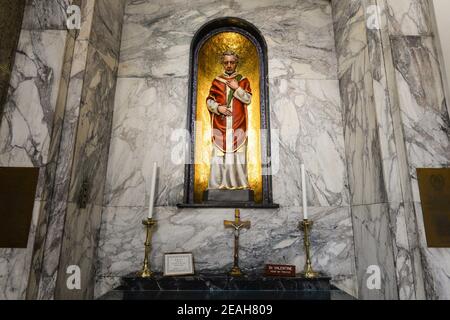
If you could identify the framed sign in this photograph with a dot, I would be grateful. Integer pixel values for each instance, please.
(178, 264)
(274, 270)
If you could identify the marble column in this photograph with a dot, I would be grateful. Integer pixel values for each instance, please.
(69, 235)
(58, 117)
(369, 199)
(390, 42)
(425, 122)
(30, 116)
(90, 160)
(47, 248)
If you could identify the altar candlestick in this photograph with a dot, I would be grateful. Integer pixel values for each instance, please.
(305, 204)
(152, 192)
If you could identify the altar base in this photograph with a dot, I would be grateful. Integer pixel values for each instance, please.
(224, 287)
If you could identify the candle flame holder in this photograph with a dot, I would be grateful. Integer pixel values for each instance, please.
(308, 272)
(146, 271)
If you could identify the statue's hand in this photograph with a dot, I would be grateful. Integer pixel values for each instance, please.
(224, 110)
(233, 84)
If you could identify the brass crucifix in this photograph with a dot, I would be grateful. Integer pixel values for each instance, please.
(237, 224)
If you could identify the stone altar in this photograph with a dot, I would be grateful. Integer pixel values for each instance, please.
(224, 287)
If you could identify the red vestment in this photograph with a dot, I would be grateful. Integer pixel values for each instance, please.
(218, 93)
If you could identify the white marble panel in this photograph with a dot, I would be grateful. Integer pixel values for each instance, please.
(79, 248)
(147, 113)
(362, 144)
(373, 247)
(45, 15)
(308, 118)
(106, 29)
(350, 32)
(87, 15)
(47, 252)
(27, 120)
(393, 162)
(404, 259)
(157, 35)
(409, 17)
(94, 126)
(425, 118)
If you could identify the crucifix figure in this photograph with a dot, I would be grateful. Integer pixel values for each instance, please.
(237, 225)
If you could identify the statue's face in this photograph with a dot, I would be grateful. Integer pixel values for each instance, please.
(229, 64)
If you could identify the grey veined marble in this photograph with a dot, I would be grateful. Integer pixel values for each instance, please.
(395, 121)
(157, 35)
(272, 238)
(422, 103)
(46, 15)
(409, 17)
(28, 114)
(349, 30)
(306, 116)
(147, 113)
(373, 247)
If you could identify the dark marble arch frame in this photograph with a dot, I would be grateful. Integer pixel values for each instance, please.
(208, 30)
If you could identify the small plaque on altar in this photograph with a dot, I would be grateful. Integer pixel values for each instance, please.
(178, 264)
(276, 270)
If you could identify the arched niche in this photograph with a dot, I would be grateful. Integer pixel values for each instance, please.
(259, 143)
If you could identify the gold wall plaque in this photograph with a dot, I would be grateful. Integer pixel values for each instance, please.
(17, 197)
(434, 187)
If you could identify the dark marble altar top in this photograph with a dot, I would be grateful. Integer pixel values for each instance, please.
(224, 287)
(214, 282)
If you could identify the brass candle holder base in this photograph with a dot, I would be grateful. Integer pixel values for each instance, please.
(308, 271)
(146, 271)
(236, 272)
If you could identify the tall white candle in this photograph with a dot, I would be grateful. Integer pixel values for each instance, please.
(152, 192)
(305, 204)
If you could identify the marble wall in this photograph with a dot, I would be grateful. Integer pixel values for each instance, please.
(363, 146)
(425, 120)
(90, 156)
(387, 63)
(306, 119)
(72, 231)
(355, 93)
(27, 124)
(59, 118)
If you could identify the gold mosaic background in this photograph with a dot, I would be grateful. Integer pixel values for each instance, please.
(209, 67)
